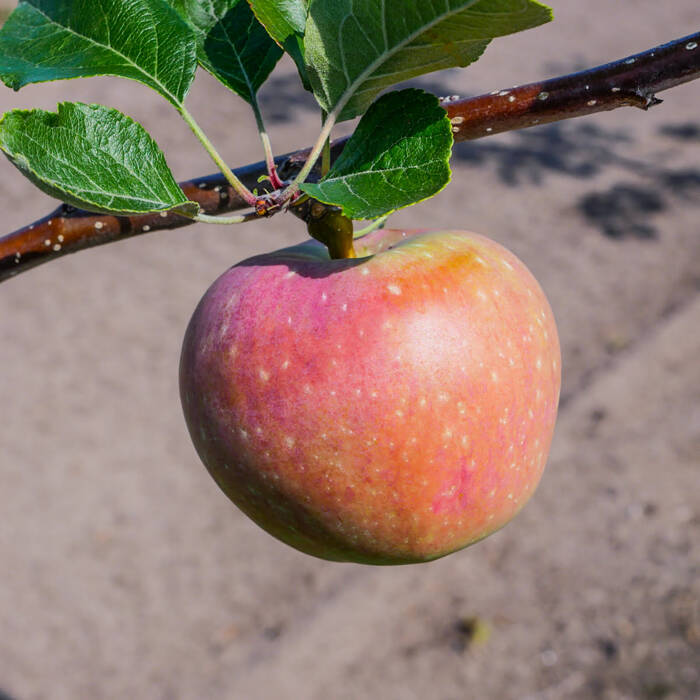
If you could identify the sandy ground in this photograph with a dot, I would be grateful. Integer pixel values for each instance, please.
(127, 574)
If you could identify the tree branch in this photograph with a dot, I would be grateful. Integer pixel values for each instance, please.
(632, 81)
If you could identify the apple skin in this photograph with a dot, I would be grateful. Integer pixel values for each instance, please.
(387, 409)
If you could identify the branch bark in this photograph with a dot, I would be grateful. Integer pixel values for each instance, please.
(632, 81)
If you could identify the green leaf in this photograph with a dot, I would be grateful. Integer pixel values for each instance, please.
(285, 20)
(144, 40)
(92, 157)
(357, 48)
(398, 155)
(231, 43)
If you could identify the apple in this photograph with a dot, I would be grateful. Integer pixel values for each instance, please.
(386, 409)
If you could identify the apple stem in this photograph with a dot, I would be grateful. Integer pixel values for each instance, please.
(328, 224)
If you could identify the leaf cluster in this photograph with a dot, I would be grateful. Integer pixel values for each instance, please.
(347, 53)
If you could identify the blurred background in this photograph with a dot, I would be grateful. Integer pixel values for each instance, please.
(125, 573)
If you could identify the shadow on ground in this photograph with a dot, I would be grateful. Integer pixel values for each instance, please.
(583, 151)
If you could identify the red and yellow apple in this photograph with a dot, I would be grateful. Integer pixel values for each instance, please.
(387, 409)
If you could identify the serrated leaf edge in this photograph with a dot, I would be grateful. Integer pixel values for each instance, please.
(352, 87)
(209, 67)
(12, 81)
(351, 91)
(341, 178)
(186, 207)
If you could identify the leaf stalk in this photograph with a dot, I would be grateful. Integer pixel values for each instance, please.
(275, 181)
(237, 185)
